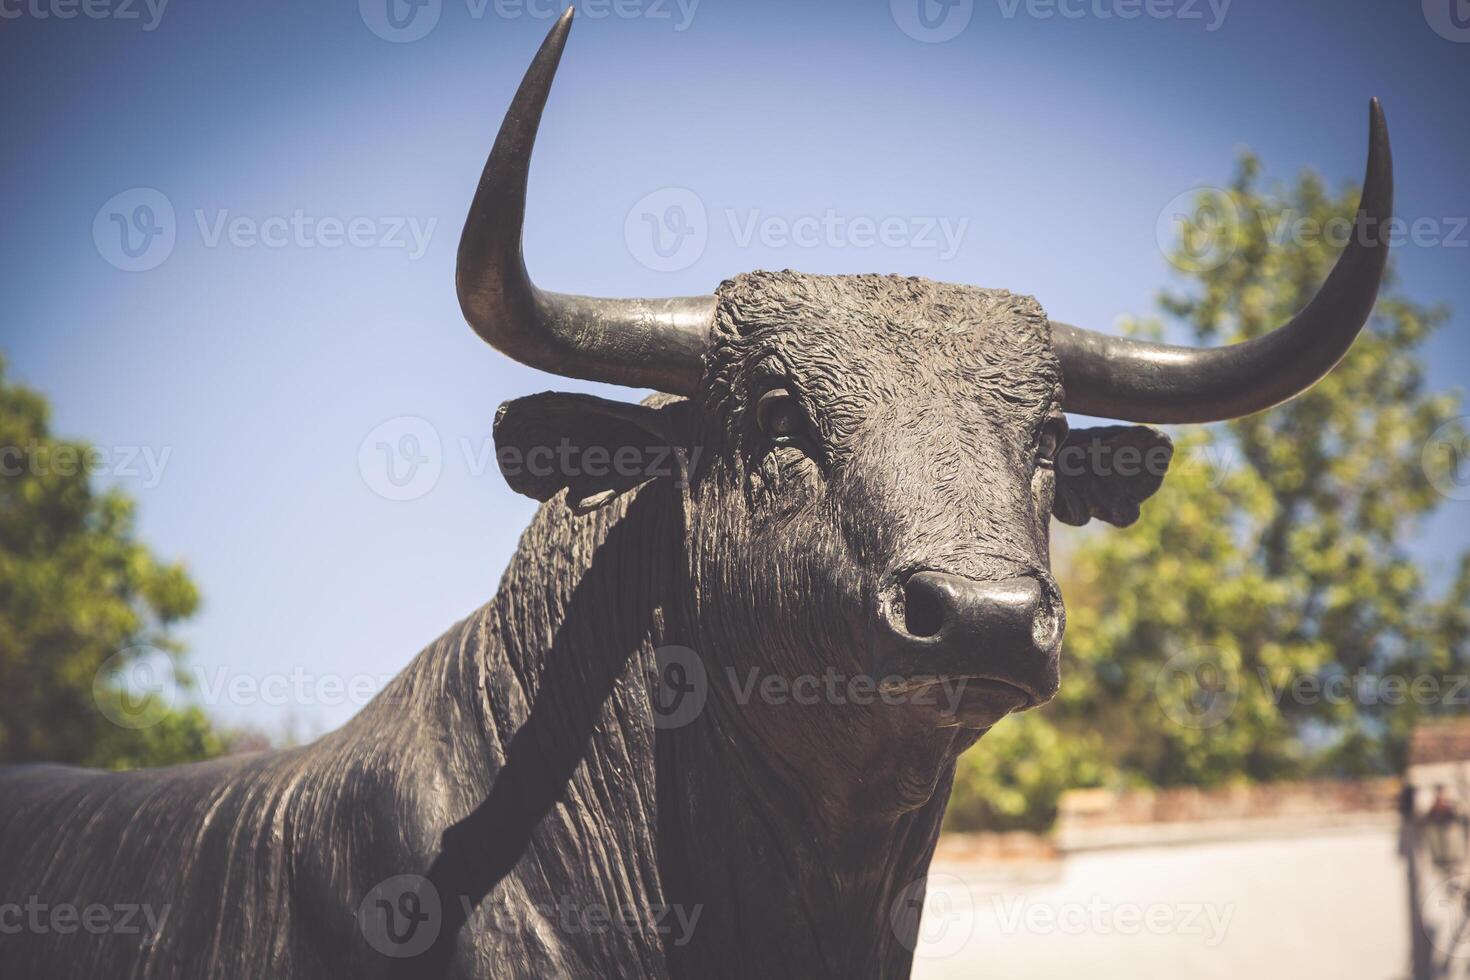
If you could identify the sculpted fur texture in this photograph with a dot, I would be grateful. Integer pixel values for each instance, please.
(520, 764)
(708, 724)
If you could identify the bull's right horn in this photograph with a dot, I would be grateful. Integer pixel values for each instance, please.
(1118, 378)
(645, 343)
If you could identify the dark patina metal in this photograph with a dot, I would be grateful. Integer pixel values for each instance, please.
(835, 540)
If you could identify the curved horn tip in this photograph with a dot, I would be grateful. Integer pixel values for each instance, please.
(652, 343)
(560, 28)
(1377, 122)
(1146, 382)
(1378, 145)
(556, 38)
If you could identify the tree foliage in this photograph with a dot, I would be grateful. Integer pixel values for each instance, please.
(81, 601)
(1264, 618)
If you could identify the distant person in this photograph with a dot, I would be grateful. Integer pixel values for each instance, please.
(1445, 832)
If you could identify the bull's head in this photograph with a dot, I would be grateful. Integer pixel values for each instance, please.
(881, 456)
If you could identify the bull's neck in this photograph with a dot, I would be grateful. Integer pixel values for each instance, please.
(789, 887)
(781, 874)
(796, 874)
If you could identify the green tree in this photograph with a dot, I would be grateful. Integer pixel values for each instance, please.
(1016, 779)
(1264, 619)
(78, 591)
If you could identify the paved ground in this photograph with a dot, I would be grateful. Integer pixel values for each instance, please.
(1331, 905)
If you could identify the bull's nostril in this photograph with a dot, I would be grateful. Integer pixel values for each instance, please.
(923, 615)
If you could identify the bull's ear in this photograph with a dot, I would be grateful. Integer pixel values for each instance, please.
(1108, 471)
(592, 447)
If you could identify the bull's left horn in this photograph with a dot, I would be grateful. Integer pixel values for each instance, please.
(1113, 377)
(646, 343)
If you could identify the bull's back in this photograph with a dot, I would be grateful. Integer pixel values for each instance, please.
(155, 873)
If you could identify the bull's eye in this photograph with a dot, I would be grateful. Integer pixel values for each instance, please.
(1053, 431)
(780, 416)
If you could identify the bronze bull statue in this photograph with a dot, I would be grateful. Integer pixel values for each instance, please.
(863, 473)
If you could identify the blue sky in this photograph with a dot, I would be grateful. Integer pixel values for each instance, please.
(318, 171)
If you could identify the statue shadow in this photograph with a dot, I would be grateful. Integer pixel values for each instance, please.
(478, 852)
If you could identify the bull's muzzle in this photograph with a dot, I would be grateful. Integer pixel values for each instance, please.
(1004, 635)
